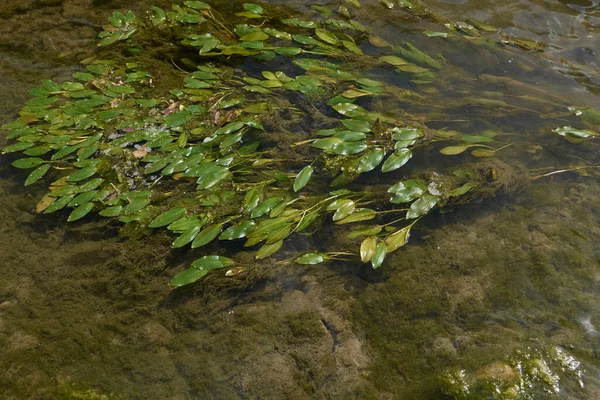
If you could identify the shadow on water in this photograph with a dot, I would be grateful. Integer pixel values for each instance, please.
(481, 288)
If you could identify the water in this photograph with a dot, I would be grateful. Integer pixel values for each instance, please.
(493, 288)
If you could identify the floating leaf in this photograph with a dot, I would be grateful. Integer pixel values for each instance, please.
(422, 206)
(367, 248)
(344, 210)
(355, 93)
(187, 236)
(187, 277)
(253, 8)
(37, 174)
(406, 191)
(254, 36)
(397, 239)
(303, 177)
(238, 231)
(207, 235)
(167, 217)
(371, 160)
(80, 212)
(82, 174)
(396, 160)
(327, 36)
(379, 256)
(113, 211)
(393, 60)
(26, 163)
(210, 175)
(357, 125)
(349, 148)
(359, 214)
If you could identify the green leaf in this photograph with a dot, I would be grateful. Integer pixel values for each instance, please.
(397, 239)
(211, 175)
(265, 207)
(327, 36)
(208, 263)
(371, 160)
(278, 34)
(187, 236)
(177, 118)
(422, 206)
(393, 60)
(355, 93)
(113, 211)
(454, 150)
(406, 134)
(238, 231)
(367, 248)
(352, 47)
(183, 224)
(268, 249)
(26, 163)
(167, 217)
(345, 209)
(483, 153)
(476, 138)
(303, 177)
(288, 51)
(303, 39)
(19, 146)
(396, 160)
(207, 235)
(349, 148)
(459, 191)
(187, 277)
(359, 214)
(254, 36)
(59, 204)
(367, 231)
(379, 255)
(312, 258)
(253, 8)
(37, 174)
(82, 174)
(197, 5)
(357, 125)
(406, 191)
(80, 212)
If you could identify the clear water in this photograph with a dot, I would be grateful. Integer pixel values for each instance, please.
(484, 292)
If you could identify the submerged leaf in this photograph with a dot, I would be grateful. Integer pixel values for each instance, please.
(312, 258)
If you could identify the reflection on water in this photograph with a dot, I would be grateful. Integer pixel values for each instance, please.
(495, 297)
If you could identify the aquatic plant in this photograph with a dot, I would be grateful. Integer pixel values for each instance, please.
(252, 127)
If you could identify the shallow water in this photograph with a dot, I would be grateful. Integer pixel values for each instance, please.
(510, 281)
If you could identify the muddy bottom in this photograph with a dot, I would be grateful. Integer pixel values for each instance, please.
(81, 310)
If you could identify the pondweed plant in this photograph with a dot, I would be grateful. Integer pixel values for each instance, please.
(260, 130)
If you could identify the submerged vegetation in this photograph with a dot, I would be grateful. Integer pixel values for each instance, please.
(261, 125)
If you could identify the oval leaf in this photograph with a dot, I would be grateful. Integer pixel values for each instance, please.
(303, 177)
(379, 255)
(367, 248)
(167, 217)
(422, 206)
(207, 235)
